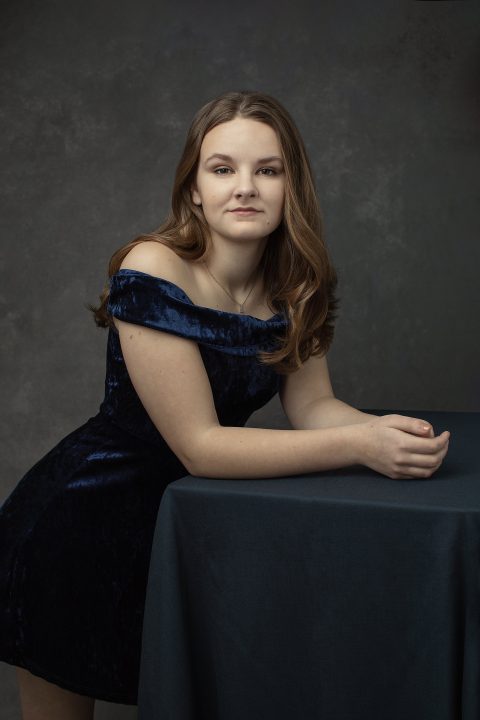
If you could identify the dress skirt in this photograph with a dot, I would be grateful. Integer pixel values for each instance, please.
(75, 543)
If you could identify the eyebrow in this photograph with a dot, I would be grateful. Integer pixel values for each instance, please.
(230, 159)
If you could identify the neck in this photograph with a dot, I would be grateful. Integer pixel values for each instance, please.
(235, 265)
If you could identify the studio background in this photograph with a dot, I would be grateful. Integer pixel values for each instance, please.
(96, 102)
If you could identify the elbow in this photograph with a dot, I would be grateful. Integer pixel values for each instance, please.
(193, 466)
(306, 416)
(198, 468)
(197, 457)
(191, 463)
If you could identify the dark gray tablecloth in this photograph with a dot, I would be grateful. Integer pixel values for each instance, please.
(331, 596)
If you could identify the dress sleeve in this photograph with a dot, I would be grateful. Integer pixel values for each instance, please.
(143, 299)
(153, 302)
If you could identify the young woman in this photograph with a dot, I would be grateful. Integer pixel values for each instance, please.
(229, 301)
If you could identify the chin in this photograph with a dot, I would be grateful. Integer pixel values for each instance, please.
(248, 235)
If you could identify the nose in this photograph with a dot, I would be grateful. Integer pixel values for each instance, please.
(245, 185)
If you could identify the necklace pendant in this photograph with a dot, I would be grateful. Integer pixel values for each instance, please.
(241, 306)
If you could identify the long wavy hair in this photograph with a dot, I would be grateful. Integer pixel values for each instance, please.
(298, 275)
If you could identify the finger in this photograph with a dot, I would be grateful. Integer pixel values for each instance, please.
(411, 425)
(423, 461)
(402, 476)
(439, 444)
(422, 465)
(415, 473)
(425, 446)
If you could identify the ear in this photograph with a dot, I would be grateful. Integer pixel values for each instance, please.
(195, 196)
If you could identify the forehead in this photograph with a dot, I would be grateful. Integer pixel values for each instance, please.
(241, 136)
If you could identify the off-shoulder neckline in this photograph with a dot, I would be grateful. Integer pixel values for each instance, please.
(128, 271)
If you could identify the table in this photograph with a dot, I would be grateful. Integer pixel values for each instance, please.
(340, 595)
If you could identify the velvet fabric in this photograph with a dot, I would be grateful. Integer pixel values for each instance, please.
(76, 532)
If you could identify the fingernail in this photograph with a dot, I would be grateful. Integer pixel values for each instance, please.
(425, 427)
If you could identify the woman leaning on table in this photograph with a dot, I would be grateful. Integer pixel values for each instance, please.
(228, 302)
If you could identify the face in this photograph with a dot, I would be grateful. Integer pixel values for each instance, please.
(251, 176)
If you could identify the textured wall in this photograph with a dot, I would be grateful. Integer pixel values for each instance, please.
(96, 102)
(97, 98)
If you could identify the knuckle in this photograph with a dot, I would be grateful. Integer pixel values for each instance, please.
(397, 458)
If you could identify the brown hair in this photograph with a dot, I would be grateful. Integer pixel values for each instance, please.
(299, 277)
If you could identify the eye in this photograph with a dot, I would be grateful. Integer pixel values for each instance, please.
(269, 171)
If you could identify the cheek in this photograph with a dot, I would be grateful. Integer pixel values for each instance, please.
(210, 192)
(278, 200)
(214, 196)
(276, 193)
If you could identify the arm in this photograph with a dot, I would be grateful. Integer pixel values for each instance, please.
(169, 376)
(308, 400)
(395, 445)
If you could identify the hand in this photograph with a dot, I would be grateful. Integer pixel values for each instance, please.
(402, 447)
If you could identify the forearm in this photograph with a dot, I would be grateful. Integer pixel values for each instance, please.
(231, 452)
(330, 412)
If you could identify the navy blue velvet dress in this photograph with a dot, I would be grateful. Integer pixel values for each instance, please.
(76, 532)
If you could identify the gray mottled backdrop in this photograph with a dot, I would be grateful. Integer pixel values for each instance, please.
(97, 98)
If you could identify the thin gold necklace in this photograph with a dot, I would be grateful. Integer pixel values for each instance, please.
(240, 305)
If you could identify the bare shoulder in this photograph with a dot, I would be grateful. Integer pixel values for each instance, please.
(157, 259)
